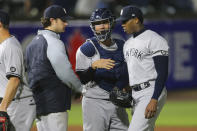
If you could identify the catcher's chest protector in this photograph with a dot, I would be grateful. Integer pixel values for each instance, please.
(117, 56)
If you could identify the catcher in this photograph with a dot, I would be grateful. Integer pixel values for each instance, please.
(101, 68)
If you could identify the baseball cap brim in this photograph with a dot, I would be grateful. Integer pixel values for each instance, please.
(65, 18)
(120, 19)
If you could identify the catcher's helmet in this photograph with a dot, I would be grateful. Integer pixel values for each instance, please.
(99, 16)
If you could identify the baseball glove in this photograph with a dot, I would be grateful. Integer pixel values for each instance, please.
(4, 121)
(120, 98)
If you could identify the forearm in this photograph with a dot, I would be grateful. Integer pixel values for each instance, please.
(10, 92)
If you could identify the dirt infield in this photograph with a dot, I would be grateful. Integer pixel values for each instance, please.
(79, 128)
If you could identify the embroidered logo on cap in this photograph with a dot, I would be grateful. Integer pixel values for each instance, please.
(121, 12)
(64, 10)
(98, 17)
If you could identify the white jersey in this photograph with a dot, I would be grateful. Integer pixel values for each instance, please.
(139, 52)
(12, 64)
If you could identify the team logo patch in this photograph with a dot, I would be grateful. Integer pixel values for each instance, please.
(12, 69)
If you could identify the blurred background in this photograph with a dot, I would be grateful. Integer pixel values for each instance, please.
(81, 9)
(175, 20)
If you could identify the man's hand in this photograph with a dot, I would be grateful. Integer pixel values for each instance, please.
(103, 63)
(151, 109)
(78, 96)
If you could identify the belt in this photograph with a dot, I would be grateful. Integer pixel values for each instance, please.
(1, 98)
(98, 98)
(139, 87)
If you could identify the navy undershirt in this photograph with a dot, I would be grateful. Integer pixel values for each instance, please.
(161, 66)
(86, 75)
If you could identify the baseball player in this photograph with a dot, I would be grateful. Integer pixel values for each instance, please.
(101, 67)
(16, 97)
(49, 71)
(146, 54)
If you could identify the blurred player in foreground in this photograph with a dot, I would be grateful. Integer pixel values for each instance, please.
(17, 100)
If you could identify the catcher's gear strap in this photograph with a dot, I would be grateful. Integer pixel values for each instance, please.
(4, 121)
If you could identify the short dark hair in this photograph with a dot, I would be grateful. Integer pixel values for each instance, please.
(5, 26)
(4, 19)
(45, 22)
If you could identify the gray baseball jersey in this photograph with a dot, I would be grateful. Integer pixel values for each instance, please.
(12, 64)
(82, 63)
(138, 53)
(22, 112)
(95, 103)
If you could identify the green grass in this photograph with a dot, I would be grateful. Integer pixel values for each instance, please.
(174, 113)
(75, 115)
(178, 114)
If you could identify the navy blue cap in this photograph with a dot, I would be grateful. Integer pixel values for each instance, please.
(130, 12)
(56, 11)
(4, 18)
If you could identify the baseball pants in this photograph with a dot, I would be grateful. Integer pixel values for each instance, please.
(53, 122)
(102, 115)
(22, 113)
(141, 100)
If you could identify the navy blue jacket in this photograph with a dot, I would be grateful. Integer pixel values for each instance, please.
(50, 93)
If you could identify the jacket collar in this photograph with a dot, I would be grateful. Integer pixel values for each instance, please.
(49, 32)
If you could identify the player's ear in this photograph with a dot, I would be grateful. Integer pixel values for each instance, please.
(136, 20)
(52, 20)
